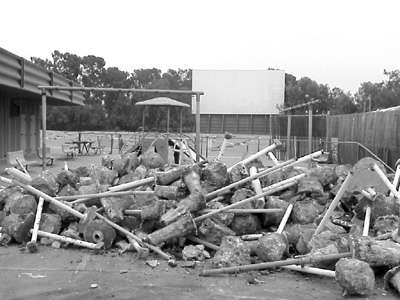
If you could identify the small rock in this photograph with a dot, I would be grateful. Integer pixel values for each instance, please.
(56, 244)
(196, 252)
(152, 263)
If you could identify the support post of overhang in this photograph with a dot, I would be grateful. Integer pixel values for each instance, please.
(44, 109)
(168, 120)
(197, 127)
(180, 121)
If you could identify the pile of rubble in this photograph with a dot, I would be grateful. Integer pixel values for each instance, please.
(338, 220)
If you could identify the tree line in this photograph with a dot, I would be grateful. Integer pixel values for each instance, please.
(116, 111)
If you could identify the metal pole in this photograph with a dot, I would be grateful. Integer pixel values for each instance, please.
(167, 119)
(289, 127)
(180, 121)
(309, 129)
(197, 127)
(44, 108)
(144, 111)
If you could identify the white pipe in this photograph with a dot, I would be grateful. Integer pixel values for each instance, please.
(255, 155)
(386, 181)
(68, 240)
(334, 203)
(37, 220)
(26, 178)
(396, 179)
(273, 158)
(285, 218)
(256, 184)
(287, 182)
(367, 220)
(131, 185)
(310, 270)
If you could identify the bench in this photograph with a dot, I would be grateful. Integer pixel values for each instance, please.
(49, 158)
(17, 159)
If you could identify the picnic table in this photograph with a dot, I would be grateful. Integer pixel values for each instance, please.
(83, 145)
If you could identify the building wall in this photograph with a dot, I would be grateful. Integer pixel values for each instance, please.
(19, 125)
(242, 92)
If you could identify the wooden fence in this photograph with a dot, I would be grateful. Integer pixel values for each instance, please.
(351, 134)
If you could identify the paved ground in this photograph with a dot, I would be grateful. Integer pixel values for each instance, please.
(69, 273)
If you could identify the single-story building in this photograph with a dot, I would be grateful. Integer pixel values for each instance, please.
(21, 102)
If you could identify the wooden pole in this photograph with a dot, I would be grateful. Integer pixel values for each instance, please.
(197, 127)
(44, 144)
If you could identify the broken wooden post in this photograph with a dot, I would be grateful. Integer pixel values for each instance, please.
(31, 246)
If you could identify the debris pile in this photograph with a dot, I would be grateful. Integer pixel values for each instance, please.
(246, 217)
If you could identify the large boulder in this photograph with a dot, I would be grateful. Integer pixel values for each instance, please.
(103, 175)
(245, 224)
(305, 211)
(23, 205)
(214, 176)
(67, 177)
(213, 231)
(46, 183)
(232, 252)
(355, 277)
(50, 223)
(272, 246)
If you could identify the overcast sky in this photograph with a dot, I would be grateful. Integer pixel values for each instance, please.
(341, 43)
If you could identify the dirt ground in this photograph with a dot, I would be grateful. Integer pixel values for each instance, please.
(69, 273)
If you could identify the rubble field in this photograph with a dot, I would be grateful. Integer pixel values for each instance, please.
(302, 228)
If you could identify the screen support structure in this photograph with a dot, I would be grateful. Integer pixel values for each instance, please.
(44, 89)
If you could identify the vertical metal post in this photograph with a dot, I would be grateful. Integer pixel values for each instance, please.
(144, 111)
(289, 127)
(309, 129)
(167, 119)
(270, 126)
(180, 121)
(197, 127)
(310, 133)
(44, 109)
